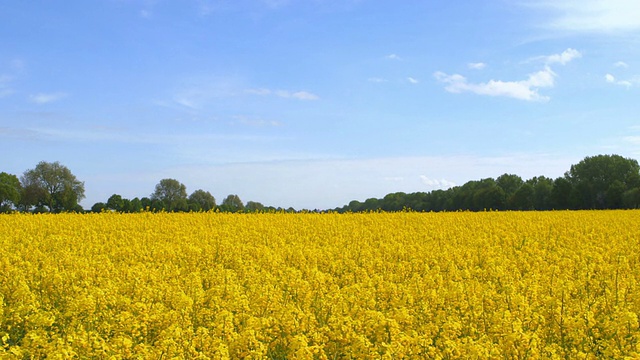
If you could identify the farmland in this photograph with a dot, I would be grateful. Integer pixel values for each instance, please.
(556, 284)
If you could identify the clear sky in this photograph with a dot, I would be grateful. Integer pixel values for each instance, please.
(313, 103)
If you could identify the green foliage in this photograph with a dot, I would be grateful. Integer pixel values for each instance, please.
(10, 191)
(253, 206)
(598, 182)
(601, 180)
(51, 185)
(201, 200)
(232, 203)
(170, 195)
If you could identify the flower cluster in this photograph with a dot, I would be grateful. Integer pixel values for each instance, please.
(538, 285)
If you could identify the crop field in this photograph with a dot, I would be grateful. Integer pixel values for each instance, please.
(491, 285)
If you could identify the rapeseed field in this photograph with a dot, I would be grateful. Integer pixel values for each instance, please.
(490, 285)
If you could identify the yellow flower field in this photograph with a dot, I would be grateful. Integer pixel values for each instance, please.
(503, 285)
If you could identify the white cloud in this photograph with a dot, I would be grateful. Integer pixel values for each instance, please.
(563, 58)
(393, 57)
(45, 98)
(196, 97)
(412, 80)
(255, 122)
(376, 80)
(621, 64)
(522, 90)
(476, 66)
(300, 95)
(592, 16)
(626, 83)
(259, 91)
(437, 184)
(303, 95)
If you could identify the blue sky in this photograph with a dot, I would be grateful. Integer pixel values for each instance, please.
(313, 103)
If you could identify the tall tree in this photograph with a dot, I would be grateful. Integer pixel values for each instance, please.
(171, 193)
(201, 200)
(232, 203)
(254, 206)
(115, 202)
(542, 192)
(10, 191)
(510, 183)
(52, 185)
(593, 177)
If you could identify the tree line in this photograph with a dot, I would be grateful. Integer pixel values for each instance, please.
(597, 182)
(51, 187)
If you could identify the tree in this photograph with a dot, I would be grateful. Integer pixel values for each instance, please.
(52, 185)
(522, 199)
(170, 193)
(115, 202)
(593, 176)
(232, 203)
(201, 200)
(542, 190)
(509, 183)
(562, 194)
(135, 205)
(254, 206)
(10, 191)
(99, 207)
(631, 198)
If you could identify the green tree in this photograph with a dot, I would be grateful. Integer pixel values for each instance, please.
(135, 205)
(201, 200)
(232, 203)
(253, 206)
(10, 191)
(593, 176)
(115, 202)
(52, 185)
(542, 192)
(98, 207)
(522, 199)
(171, 193)
(631, 199)
(509, 183)
(489, 198)
(562, 194)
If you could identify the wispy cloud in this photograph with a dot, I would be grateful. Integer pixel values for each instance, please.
(626, 83)
(197, 95)
(522, 90)
(436, 183)
(45, 98)
(412, 80)
(476, 66)
(621, 64)
(592, 16)
(300, 95)
(393, 57)
(255, 122)
(527, 89)
(564, 58)
(376, 80)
